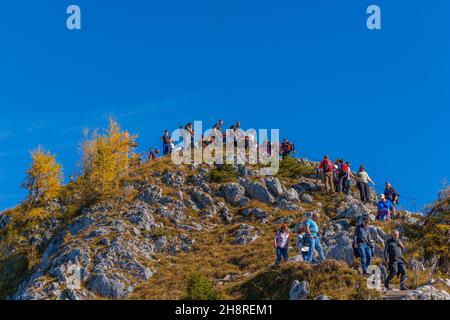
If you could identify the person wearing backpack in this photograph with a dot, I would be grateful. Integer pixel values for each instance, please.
(341, 174)
(282, 243)
(285, 149)
(393, 256)
(363, 244)
(327, 167)
(346, 182)
(363, 184)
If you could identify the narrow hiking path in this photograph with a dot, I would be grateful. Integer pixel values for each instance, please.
(397, 294)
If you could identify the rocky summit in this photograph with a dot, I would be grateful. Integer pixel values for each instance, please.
(169, 222)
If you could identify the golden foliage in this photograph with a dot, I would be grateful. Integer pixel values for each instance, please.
(44, 177)
(105, 162)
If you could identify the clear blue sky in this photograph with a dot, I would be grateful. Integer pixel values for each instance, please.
(310, 68)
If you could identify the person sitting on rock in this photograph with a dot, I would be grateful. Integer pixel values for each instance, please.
(363, 244)
(312, 229)
(282, 243)
(384, 209)
(393, 255)
(152, 154)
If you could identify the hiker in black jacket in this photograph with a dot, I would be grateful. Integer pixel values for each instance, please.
(393, 254)
(363, 244)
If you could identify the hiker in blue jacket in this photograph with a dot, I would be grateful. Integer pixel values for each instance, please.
(312, 229)
(384, 209)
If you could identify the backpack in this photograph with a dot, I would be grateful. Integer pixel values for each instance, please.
(327, 166)
(287, 147)
(343, 170)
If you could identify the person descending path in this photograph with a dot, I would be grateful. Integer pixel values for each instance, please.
(393, 255)
(282, 243)
(363, 244)
(327, 167)
(166, 143)
(363, 180)
(384, 209)
(392, 195)
(312, 229)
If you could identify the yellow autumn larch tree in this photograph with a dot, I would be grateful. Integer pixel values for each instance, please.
(44, 177)
(105, 161)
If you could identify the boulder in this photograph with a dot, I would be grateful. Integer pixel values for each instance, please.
(226, 215)
(108, 286)
(291, 194)
(245, 234)
(257, 190)
(352, 209)
(428, 292)
(201, 199)
(307, 198)
(173, 179)
(141, 215)
(303, 187)
(299, 290)
(244, 201)
(274, 185)
(151, 195)
(288, 205)
(233, 193)
(339, 247)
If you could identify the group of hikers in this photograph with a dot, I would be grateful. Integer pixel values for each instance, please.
(308, 242)
(338, 177)
(286, 148)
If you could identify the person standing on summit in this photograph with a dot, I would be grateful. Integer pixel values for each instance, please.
(363, 184)
(327, 167)
(166, 143)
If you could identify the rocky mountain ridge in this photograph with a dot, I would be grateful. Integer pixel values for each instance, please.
(115, 249)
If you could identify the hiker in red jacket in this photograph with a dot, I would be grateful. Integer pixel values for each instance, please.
(285, 149)
(327, 167)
